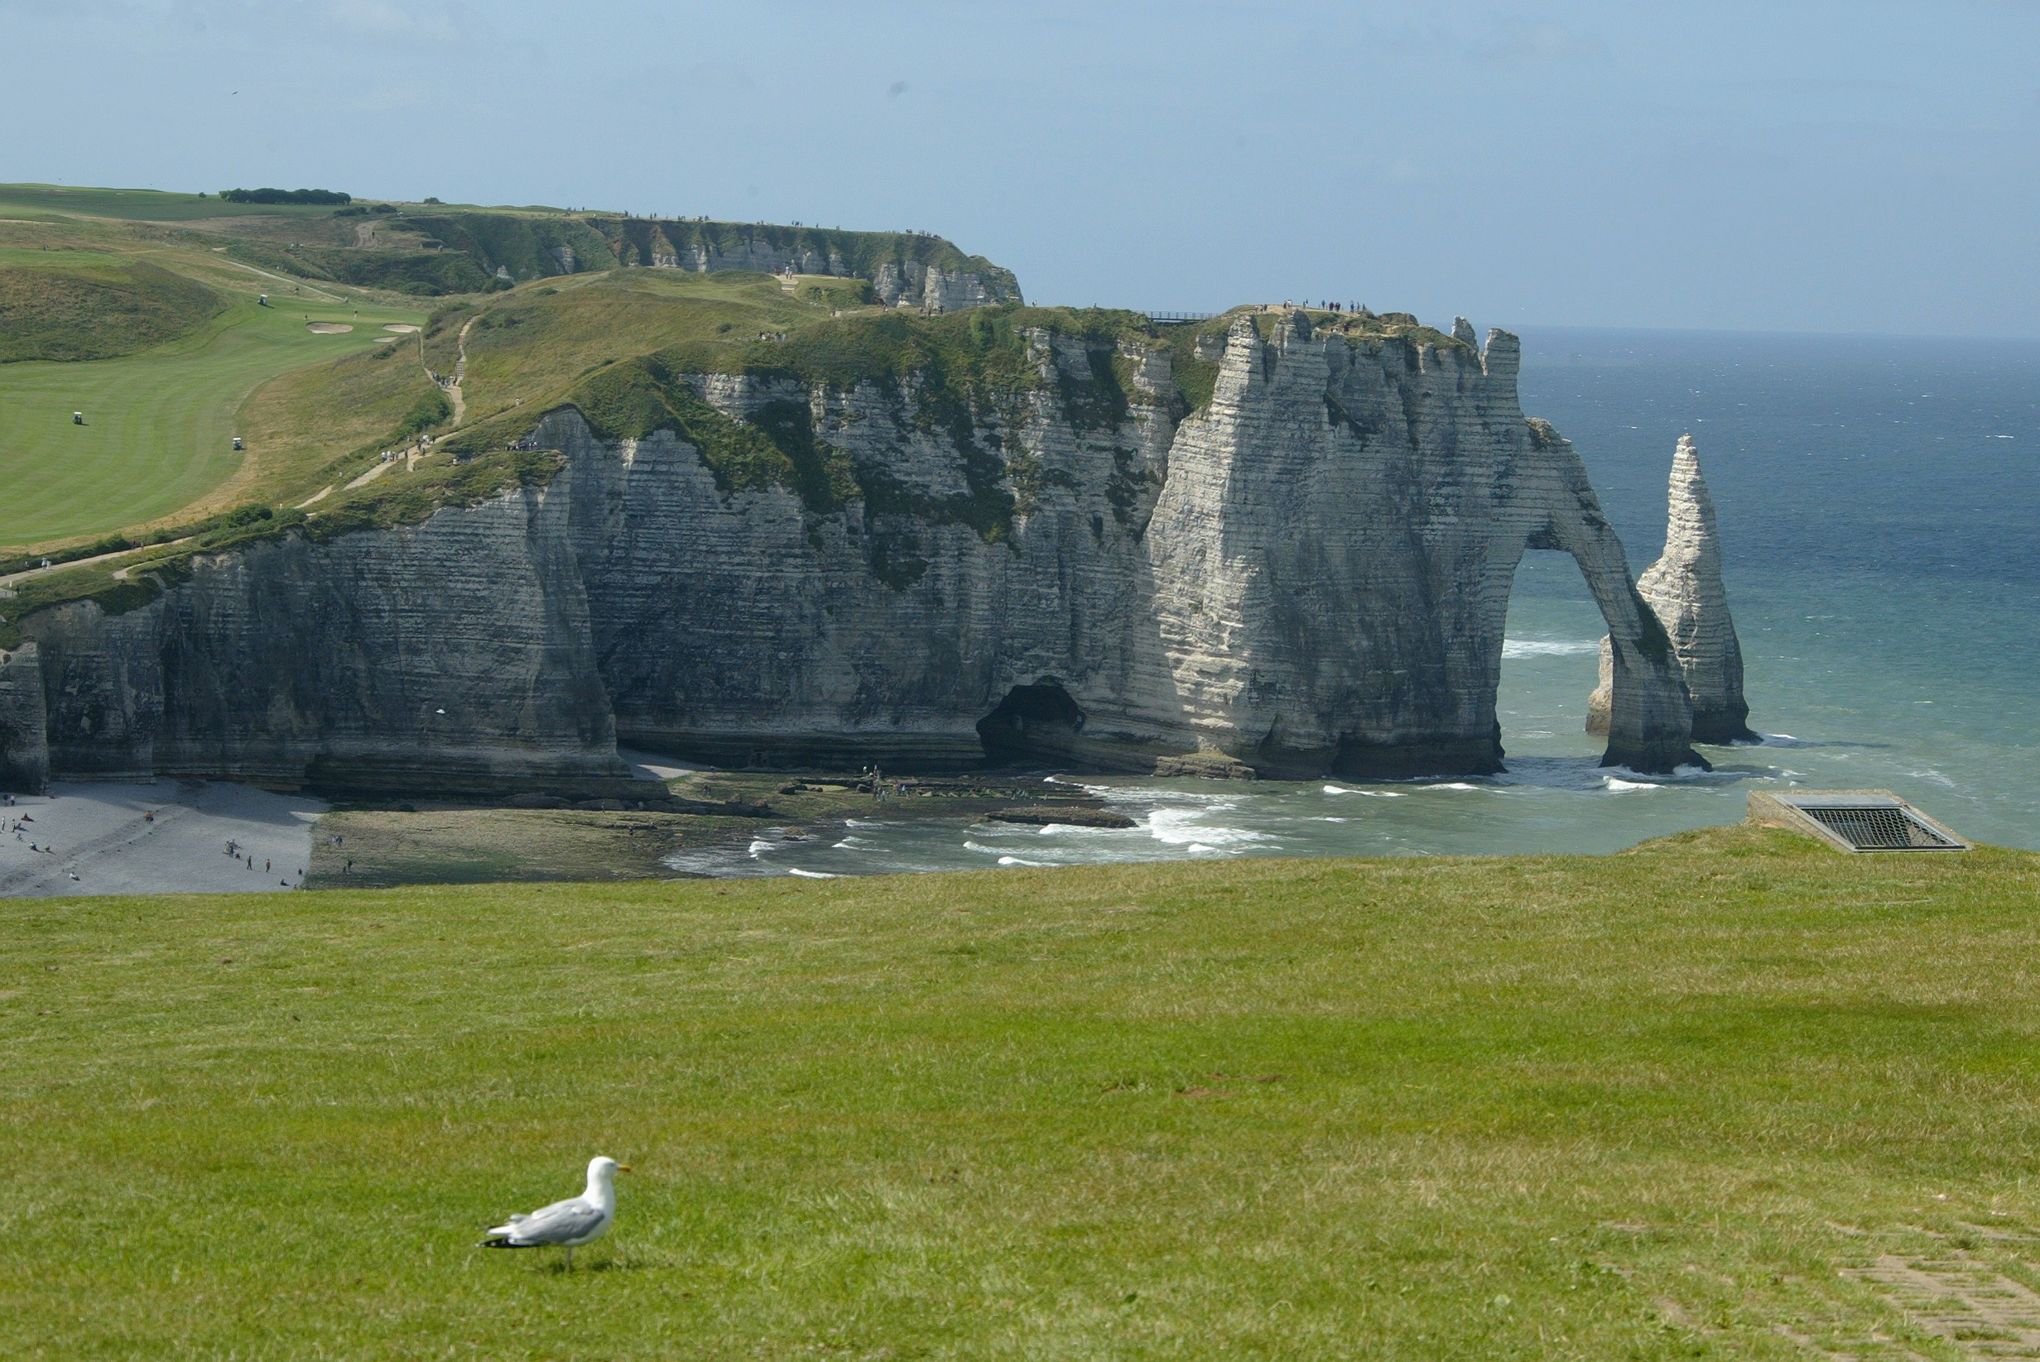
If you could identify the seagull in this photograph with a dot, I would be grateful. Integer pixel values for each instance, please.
(577, 1220)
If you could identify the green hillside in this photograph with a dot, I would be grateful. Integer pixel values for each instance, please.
(1705, 1099)
(73, 305)
(158, 423)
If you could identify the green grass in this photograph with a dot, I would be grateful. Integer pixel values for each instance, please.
(138, 205)
(76, 305)
(1644, 1106)
(158, 423)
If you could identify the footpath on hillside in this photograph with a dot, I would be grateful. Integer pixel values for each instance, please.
(451, 386)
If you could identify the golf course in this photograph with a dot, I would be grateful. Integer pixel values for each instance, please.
(1727, 1095)
(159, 425)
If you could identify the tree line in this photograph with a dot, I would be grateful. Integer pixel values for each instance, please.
(285, 196)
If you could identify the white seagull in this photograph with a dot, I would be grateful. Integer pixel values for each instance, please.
(568, 1224)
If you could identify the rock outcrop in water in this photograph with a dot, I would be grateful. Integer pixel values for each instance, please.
(1308, 574)
(1684, 590)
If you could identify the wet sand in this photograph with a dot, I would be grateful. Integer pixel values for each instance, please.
(103, 835)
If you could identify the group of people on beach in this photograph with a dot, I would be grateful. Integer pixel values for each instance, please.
(27, 831)
(240, 853)
(19, 827)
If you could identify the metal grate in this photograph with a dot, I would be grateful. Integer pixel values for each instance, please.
(1871, 827)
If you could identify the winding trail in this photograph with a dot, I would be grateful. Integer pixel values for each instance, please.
(451, 387)
(11, 578)
(453, 393)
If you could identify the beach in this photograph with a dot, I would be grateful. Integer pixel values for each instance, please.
(154, 837)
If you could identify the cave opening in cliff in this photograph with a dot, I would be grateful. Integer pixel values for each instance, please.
(1550, 661)
(1030, 723)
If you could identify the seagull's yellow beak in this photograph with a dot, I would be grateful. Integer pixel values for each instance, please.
(623, 1168)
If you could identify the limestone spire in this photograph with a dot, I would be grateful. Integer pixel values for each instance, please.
(1683, 588)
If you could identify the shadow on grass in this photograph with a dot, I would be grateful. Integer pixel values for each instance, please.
(616, 1262)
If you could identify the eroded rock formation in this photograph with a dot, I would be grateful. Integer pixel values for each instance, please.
(1683, 588)
(1309, 574)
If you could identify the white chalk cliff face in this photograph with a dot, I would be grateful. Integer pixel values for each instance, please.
(945, 281)
(1308, 575)
(1684, 590)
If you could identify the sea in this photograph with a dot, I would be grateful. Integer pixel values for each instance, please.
(1879, 508)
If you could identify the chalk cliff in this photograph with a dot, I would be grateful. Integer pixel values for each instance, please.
(910, 269)
(24, 757)
(1684, 590)
(1309, 573)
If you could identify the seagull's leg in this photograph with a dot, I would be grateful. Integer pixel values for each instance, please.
(570, 1257)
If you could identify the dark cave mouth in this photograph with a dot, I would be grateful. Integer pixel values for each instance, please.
(1034, 720)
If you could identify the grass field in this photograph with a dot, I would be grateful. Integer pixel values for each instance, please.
(139, 205)
(1713, 1098)
(159, 423)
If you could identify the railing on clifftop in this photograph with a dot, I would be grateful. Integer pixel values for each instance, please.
(1179, 318)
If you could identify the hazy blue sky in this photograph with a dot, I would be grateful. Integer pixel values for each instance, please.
(1857, 166)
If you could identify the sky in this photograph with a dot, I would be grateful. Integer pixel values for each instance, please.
(1792, 165)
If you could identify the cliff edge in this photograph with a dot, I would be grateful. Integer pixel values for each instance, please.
(1286, 540)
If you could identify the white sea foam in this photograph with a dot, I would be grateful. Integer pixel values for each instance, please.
(1618, 785)
(1328, 818)
(1549, 647)
(812, 874)
(854, 844)
(1452, 785)
(1136, 794)
(865, 823)
(759, 846)
(1182, 827)
(980, 848)
(1015, 860)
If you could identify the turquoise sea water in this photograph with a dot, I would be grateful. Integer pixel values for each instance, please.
(1879, 503)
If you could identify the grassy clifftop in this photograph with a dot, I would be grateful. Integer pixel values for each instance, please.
(331, 375)
(75, 305)
(1695, 1100)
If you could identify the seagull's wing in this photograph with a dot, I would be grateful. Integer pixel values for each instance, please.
(558, 1223)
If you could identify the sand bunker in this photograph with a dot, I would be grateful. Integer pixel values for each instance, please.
(328, 328)
(398, 326)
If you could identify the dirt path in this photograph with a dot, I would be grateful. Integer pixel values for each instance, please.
(453, 393)
(451, 388)
(309, 291)
(13, 577)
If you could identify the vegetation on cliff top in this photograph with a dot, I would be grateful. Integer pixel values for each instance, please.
(78, 305)
(629, 348)
(1677, 1102)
